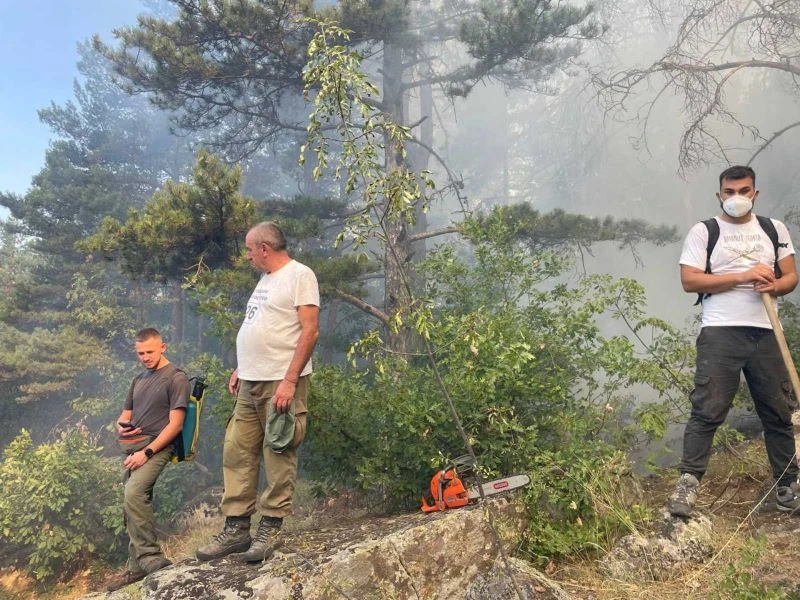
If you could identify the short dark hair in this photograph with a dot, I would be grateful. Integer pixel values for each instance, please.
(147, 333)
(737, 172)
(270, 234)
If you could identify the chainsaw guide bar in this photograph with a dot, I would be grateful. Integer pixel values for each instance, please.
(498, 486)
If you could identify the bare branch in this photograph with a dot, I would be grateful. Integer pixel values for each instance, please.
(769, 141)
(433, 233)
(716, 39)
(361, 304)
(456, 183)
(735, 65)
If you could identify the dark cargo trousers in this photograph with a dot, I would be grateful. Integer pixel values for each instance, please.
(140, 520)
(244, 449)
(723, 353)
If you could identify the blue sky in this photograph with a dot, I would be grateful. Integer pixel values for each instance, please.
(38, 54)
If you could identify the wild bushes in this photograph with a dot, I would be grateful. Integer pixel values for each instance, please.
(516, 389)
(60, 502)
(537, 385)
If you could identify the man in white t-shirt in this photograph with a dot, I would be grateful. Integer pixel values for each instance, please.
(273, 354)
(736, 336)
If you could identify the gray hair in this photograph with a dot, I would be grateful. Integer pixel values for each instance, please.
(270, 234)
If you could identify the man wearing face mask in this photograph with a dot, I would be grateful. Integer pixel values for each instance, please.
(736, 336)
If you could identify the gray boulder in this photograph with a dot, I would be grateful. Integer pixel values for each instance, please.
(661, 557)
(497, 585)
(409, 556)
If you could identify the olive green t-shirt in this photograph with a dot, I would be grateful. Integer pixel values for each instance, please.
(153, 394)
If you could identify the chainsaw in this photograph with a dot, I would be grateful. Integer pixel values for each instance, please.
(448, 489)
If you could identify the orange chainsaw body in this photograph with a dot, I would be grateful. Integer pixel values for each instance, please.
(447, 491)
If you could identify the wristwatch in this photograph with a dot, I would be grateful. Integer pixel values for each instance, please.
(148, 452)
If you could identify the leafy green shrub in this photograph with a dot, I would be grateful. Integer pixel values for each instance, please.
(387, 429)
(577, 501)
(61, 502)
(537, 385)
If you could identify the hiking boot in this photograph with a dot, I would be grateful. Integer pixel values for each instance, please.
(155, 563)
(682, 501)
(234, 537)
(786, 497)
(267, 538)
(127, 578)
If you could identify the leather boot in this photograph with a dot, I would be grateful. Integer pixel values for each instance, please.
(126, 578)
(267, 538)
(234, 537)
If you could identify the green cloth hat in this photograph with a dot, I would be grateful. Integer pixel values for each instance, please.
(280, 430)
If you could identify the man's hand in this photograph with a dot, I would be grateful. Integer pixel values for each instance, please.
(760, 274)
(122, 432)
(284, 393)
(135, 460)
(233, 382)
(769, 288)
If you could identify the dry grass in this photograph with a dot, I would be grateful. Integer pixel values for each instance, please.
(585, 580)
(14, 583)
(196, 529)
(737, 494)
(310, 513)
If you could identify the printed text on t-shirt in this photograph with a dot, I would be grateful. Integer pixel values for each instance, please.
(258, 297)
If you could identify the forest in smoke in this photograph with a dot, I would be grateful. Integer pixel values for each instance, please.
(492, 194)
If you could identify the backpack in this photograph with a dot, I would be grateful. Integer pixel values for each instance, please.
(713, 235)
(186, 442)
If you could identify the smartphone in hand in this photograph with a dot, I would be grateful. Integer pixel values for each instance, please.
(126, 425)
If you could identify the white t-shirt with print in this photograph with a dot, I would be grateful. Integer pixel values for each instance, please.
(739, 248)
(271, 328)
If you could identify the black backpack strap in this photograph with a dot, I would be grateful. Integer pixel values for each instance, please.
(713, 235)
(769, 228)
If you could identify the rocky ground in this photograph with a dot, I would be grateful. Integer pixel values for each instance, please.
(738, 547)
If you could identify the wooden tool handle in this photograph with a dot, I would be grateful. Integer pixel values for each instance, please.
(769, 304)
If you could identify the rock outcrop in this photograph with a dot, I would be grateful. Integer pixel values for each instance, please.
(497, 585)
(437, 556)
(681, 543)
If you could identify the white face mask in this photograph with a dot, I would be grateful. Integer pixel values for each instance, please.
(737, 206)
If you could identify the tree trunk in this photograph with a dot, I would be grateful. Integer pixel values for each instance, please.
(311, 187)
(397, 254)
(506, 149)
(177, 313)
(201, 330)
(421, 157)
(137, 297)
(332, 314)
